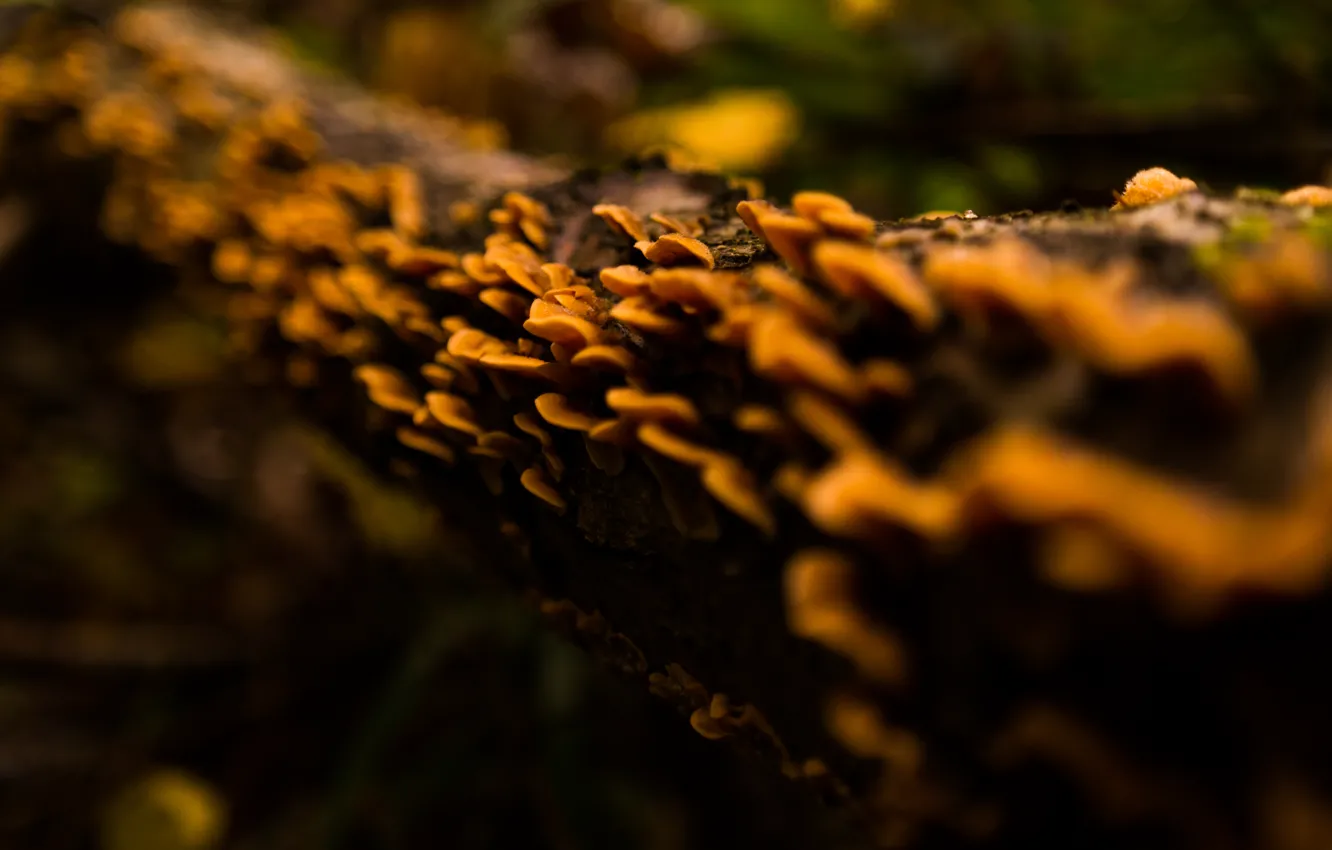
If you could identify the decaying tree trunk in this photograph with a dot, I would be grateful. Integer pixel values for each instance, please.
(1001, 531)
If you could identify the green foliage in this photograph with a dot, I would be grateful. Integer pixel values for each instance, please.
(997, 76)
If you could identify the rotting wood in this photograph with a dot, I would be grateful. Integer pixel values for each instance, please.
(1052, 488)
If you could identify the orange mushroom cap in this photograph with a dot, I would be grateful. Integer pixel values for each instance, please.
(1152, 185)
(606, 358)
(635, 404)
(625, 281)
(454, 412)
(555, 409)
(534, 480)
(622, 220)
(672, 249)
(859, 271)
(414, 439)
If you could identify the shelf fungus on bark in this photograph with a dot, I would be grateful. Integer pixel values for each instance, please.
(883, 408)
(1313, 196)
(672, 249)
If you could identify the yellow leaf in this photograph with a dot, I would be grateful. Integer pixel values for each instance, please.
(733, 130)
(861, 13)
(166, 810)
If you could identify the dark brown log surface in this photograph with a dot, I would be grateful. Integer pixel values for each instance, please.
(1000, 531)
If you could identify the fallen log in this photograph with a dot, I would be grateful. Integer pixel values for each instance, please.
(999, 530)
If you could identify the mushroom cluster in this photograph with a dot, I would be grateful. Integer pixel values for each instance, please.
(778, 364)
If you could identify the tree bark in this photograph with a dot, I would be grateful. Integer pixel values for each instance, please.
(996, 530)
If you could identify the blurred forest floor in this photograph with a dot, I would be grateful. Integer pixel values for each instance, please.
(215, 622)
(902, 106)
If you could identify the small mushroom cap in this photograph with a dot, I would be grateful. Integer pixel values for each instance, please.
(735, 325)
(1152, 185)
(1010, 270)
(819, 588)
(860, 494)
(858, 726)
(811, 205)
(622, 220)
(734, 486)
(413, 439)
(1314, 196)
(676, 225)
(534, 480)
(471, 344)
(760, 420)
(404, 193)
(827, 423)
(520, 265)
(478, 269)
(672, 249)
(555, 324)
(637, 405)
(556, 409)
(793, 294)
(325, 288)
(528, 424)
(561, 353)
(426, 328)
(625, 281)
(453, 412)
(558, 276)
(464, 377)
(526, 207)
(781, 350)
(530, 367)
(885, 377)
(618, 432)
(454, 324)
(847, 225)
(606, 358)
(751, 211)
(510, 305)
(459, 283)
(640, 314)
(420, 260)
(439, 376)
(231, 261)
(861, 271)
(790, 237)
(707, 726)
(669, 444)
(791, 479)
(387, 388)
(698, 288)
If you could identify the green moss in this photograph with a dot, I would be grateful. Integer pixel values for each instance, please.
(1258, 195)
(1210, 257)
(1251, 229)
(1319, 226)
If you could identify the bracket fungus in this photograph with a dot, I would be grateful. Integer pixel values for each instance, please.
(801, 378)
(672, 249)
